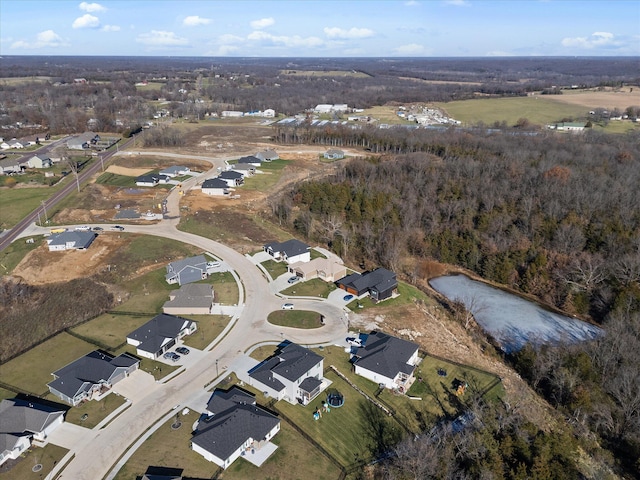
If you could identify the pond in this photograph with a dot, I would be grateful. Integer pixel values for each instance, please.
(511, 320)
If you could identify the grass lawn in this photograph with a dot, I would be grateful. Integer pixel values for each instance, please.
(407, 294)
(274, 268)
(4, 393)
(225, 287)
(264, 181)
(115, 180)
(14, 253)
(316, 254)
(96, 411)
(385, 114)
(23, 201)
(48, 457)
(311, 288)
(295, 319)
(295, 459)
(147, 293)
(110, 330)
(167, 447)
(32, 370)
(538, 110)
(263, 352)
(209, 327)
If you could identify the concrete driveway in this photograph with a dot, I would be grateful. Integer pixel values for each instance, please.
(135, 386)
(68, 435)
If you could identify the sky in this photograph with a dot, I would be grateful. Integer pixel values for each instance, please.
(329, 28)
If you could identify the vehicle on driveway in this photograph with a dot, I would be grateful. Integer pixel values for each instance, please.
(354, 341)
(182, 350)
(287, 306)
(347, 298)
(174, 357)
(293, 279)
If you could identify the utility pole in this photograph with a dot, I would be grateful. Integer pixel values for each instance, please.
(44, 208)
(217, 373)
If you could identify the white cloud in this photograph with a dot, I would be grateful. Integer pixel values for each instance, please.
(595, 40)
(161, 38)
(86, 21)
(92, 7)
(410, 49)
(48, 38)
(262, 23)
(195, 20)
(110, 28)
(457, 3)
(335, 32)
(293, 41)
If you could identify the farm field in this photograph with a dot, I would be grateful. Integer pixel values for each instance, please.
(22, 201)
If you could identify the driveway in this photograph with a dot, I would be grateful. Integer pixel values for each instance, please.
(135, 386)
(68, 435)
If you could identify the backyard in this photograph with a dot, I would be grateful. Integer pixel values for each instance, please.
(310, 288)
(47, 456)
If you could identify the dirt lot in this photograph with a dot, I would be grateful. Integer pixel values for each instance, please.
(609, 99)
(41, 266)
(129, 172)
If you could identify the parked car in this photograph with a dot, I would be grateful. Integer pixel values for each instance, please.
(97, 229)
(287, 306)
(213, 264)
(83, 228)
(182, 350)
(355, 341)
(117, 227)
(174, 357)
(347, 298)
(293, 279)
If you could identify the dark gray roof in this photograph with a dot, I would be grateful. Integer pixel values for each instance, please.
(231, 175)
(191, 295)
(386, 355)
(173, 170)
(379, 279)
(95, 367)
(214, 183)
(309, 384)
(188, 269)
(19, 416)
(127, 213)
(156, 331)
(81, 239)
(250, 159)
(290, 248)
(151, 178)
(223, 400)
(292, 362)
(226, 432)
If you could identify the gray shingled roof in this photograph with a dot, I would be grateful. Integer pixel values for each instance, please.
(188, 269)
(309, 384)
(214, 183)
(196, 295)
(86, 371)
(292, 362)
(223, 400)
(386, 355)
(231, 175)
(225, 432)
(379, 279)
(8, 441)
(290, 248)
(156, 331)
(81, 239)
(19, 416)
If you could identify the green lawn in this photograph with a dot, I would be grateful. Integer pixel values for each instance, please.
(48, 457)
(4, 393)
(311, 288)
(115, 180)
(538, 110)
(225, 287)
(209, 327)
(109, 329)
(264, 181)
(95, 411)
(274, 268)
(147, 293)
(263, 352)
(407, 295)
(14, 253)
(32, 370)
(295, 319)
(23, 201)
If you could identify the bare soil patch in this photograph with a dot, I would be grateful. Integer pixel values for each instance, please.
(127, 171)
(40, 266)
(609, 99)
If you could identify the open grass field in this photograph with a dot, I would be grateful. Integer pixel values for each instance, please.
(606, 98)
(385, 114)
(539, 110)
(225, 288)
(48, 457)
(270, 176)
(31, 371)
(324, 73)
(14, 253)
(22, 202)
(311, 288)
(149, 86)
(13, 81)
(95, 411)
(115, 180)
(109, 329)
(295, 319)
(209, 327)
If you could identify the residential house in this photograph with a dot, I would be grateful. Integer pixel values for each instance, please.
(232, 113)
(294, 374)
(83, 141)
(13, 143)
(267, 155)
(190, 299)
(22, 421)
(380, 284)
(334, 154)
(175, 171)
(323, 108)
(291, 251)
(160, 334)
(244, 168)
(11, 165)
(235, 427)
(322, 268)
(387, 360)
(151, 179)
(75, 240)
(187, 270)
(215, 186)
(232, 179)
(91, 376)
(250, 160)
(269, 113)
(39, 161)
(573, 127)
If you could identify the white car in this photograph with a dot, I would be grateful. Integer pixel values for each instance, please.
(287, 306)
(83, 228)
(354, 341)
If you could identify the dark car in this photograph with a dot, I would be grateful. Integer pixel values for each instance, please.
(97, 229)
(293, 279)
(182, 350)
(174, 357)
(347, 298)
